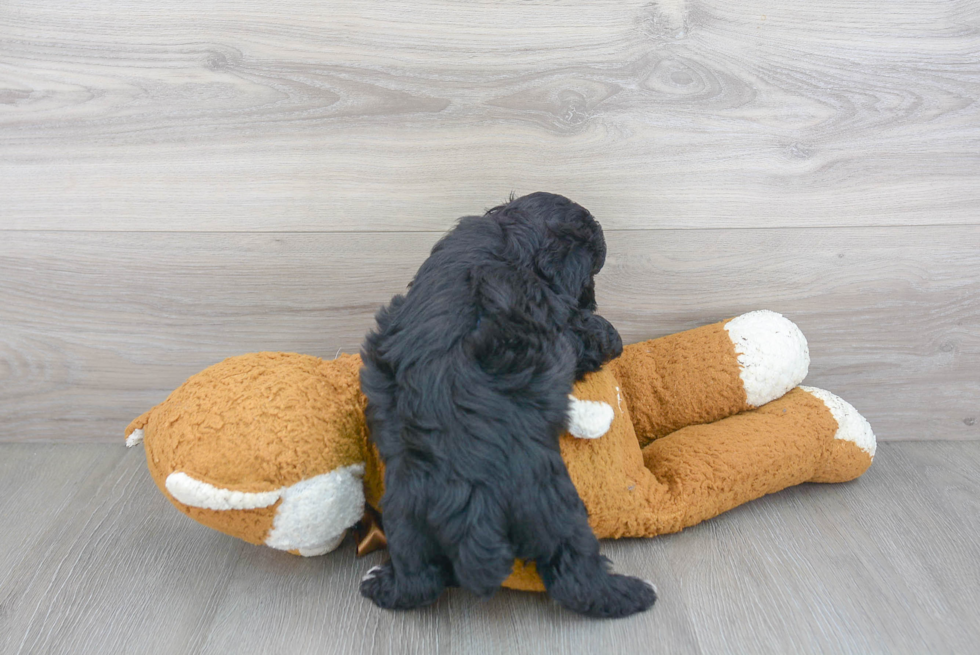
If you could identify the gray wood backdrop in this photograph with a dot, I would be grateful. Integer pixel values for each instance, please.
(183, 181)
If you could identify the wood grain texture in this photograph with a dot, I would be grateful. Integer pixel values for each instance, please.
(38, 485)
(334, 116)
(886, 564)
(96, 328)
(842, 568)
(78, 586)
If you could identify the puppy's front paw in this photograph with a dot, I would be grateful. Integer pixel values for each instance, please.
(589, 419)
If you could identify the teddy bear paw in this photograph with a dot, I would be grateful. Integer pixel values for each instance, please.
(851, 425)
(773, 356)
(854, 444)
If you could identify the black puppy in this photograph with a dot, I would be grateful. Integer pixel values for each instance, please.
(468, 379)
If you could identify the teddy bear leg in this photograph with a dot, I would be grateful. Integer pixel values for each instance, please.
(854, 445)
(703, 375)
(807, 435)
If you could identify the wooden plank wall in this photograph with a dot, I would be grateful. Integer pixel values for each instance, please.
(184, 181)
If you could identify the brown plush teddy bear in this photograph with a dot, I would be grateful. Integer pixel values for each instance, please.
(273, 447)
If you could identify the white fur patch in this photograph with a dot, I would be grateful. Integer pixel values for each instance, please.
(315, 513)
(851, 426)
(206, 496)
(325, 548)
(589, 419)
(135, 437)
(772, 354)
(313, 517)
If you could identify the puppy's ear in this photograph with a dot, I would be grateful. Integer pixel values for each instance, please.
(573, 251)
(566, 264)
(505, 321)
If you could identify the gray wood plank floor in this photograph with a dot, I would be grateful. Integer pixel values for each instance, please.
(94, 560)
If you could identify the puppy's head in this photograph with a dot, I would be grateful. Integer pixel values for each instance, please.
(559, 238)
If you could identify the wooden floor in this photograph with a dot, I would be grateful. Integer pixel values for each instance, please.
(94, 560)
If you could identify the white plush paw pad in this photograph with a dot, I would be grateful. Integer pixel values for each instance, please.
(851, 426)
(371, 574)
(772, 354)
(589, 419)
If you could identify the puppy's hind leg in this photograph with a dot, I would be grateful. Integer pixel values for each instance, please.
(474, 535)
(581, 582)
(578, 577)
(416, 573)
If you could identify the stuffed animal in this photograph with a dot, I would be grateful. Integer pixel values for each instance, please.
(273, 447)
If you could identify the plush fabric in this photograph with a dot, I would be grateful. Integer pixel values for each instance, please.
(271, 447)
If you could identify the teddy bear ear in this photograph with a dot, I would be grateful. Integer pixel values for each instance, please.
(134, 431)
(134, 438)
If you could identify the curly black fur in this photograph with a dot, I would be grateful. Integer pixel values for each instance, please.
(467, 379)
